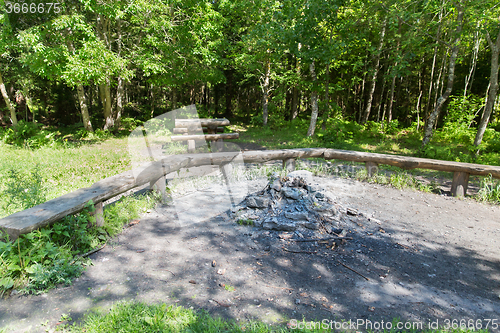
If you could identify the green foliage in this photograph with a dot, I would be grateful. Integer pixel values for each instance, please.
(124, 210)
(43, 258)
(22, 190)
(29, 134)
(46, 257)
(247, 222)
(489, 191)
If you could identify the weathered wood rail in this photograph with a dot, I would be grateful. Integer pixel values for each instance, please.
(189, 128)
(154, 173)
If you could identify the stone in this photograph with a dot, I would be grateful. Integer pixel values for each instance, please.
(304, 174)
(297, 216)
(257, 202)
(309, 225)
(275, 224)
(319, 195)
(312, 188)
(276, 185)
(291, 193)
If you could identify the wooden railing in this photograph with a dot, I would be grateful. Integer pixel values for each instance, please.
(154, 174)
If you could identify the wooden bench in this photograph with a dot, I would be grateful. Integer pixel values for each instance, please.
(190, 129)
(71, 203)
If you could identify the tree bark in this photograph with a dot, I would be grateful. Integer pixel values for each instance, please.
(13, 117)
(120, 84)
(470, 77)
(492, 95)
(314, 102)
(451, 76)
(326, 112)
(375, 75)
(393, 84)
(105, 93)
(431, 82)
(265, 91)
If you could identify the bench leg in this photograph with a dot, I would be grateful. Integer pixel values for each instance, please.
(160, 186)
(227, 173)
(460, 184)
(289, 164)
(191, 146)
(99, 214)
(371, 168)
(220, 145)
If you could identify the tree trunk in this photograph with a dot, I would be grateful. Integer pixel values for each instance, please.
(393, 84)
(431, 82)
(314, 102)
(82, 100)
(265, 91)
(492, 95)
(382, 96)
(13, 117)
(295, 93)
(120, 84)
(451, 76)
(326, 111)
(105, 94)
(470, 77)
(375, 75)
(229, 94)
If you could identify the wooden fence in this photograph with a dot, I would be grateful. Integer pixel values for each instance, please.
(154, 173)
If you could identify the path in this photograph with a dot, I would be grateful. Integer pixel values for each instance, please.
(428, 257)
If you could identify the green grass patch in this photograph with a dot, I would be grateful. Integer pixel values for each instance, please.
(140, 317)
(29, 177)
(247, 222)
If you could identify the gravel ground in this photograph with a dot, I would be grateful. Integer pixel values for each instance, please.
(420, 257)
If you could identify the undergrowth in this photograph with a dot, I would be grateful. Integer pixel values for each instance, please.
(44, 258)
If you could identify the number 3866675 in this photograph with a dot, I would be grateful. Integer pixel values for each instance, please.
(32, 8)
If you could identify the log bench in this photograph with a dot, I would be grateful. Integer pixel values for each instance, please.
(191, 129)
(51, 211)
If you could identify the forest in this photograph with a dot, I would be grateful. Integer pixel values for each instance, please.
(425, 65)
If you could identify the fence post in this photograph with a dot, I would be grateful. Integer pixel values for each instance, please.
(289, 164)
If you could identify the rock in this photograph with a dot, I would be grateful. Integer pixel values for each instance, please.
(310, 225)
(274, 224)
(276, 185)
(297, 216)
(237, 208)
(304, 174)
(323, 207)
(297, 301)
(319, 195)
(312, 188)
(291, 193)
(257, 202)
(352, 212)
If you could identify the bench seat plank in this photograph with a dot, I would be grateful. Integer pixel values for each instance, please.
(201, 137)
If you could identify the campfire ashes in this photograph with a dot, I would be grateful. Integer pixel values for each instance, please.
(290, 203)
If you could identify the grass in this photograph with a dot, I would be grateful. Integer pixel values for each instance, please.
(140, 317)
(57, 171)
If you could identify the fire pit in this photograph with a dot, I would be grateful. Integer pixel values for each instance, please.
(289, 203)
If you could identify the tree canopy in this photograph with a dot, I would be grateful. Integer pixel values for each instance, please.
(266, 62)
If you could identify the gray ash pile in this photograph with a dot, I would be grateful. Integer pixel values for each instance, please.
(290, 203)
